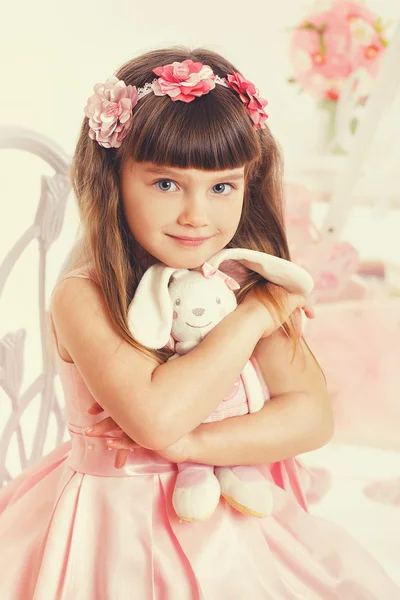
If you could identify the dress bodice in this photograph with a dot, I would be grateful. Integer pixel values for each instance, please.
(90, 455)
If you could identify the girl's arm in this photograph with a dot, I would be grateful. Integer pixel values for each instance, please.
(297, 419)
(154, 404)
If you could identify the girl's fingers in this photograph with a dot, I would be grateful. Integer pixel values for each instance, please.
(292, 304)
(105, 426)
(297, 301)
(95, 409)
(120, 458)
(309, 310)
(310, 313)
(126, 446)
(124, 443)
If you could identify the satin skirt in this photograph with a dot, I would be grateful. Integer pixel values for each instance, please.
(72, 527)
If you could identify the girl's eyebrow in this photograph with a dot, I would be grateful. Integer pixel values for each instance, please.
(166, 170)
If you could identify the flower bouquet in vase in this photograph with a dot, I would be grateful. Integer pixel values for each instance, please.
(336, 52)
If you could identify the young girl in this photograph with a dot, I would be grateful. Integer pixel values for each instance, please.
(175, 162)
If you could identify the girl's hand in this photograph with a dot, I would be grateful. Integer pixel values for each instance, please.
(108, 425)
(267, 312)
(175, 453)
(178, 452)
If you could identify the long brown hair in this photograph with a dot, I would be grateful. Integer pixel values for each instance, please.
(214, 132)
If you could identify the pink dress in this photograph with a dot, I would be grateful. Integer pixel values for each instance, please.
(73, 527)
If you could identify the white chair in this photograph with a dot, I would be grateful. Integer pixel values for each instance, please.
(45, 230)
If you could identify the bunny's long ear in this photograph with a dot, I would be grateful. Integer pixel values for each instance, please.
(290, 276)
(150, 312)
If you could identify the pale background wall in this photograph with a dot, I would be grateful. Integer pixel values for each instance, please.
(51, 55)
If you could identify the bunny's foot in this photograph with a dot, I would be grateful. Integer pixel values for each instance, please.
(246, 489)
(196, 493)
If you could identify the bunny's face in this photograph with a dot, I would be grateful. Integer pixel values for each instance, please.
(198, 304)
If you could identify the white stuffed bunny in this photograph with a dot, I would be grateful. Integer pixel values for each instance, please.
(188, 305)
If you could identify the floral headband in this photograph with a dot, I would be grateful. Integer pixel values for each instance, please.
(109, 109)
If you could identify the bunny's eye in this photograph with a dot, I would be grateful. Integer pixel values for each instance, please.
(177, 302)
(218, 300)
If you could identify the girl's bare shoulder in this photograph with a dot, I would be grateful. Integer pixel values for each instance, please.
(112, 368)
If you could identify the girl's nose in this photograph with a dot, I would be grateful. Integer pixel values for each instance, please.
(195, 212)
(198, 311)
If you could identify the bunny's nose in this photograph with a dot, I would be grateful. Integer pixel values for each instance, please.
(198, 311)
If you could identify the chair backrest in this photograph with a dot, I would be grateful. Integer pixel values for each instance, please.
(16, 434)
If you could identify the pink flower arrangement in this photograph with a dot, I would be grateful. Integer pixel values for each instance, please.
(249, 95)
(183, 81)
(329, 45)
(109, 111)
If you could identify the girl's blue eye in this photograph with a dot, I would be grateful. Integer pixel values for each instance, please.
(222, 187)
(164, 185)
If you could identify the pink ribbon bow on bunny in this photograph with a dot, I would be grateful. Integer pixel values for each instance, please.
(209, 271)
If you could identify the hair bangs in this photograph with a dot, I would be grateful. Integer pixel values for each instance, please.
(212, 132)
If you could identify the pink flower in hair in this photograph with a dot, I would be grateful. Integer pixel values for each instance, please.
(109, 111)
(183, 81)
(249, 95)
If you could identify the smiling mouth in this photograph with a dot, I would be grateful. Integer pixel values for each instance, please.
(198, 326)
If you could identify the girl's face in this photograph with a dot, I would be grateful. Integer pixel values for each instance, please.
(181, 216)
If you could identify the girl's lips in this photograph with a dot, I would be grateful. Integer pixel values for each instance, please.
(190, 241)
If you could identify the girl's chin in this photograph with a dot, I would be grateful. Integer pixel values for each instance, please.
(187, 258)
(184, 260)
(185, 264)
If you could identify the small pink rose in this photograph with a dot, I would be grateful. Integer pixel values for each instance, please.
(332, 94)
(371, 51)
(318, 58)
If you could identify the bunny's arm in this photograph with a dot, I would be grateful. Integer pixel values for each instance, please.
(297, 419)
